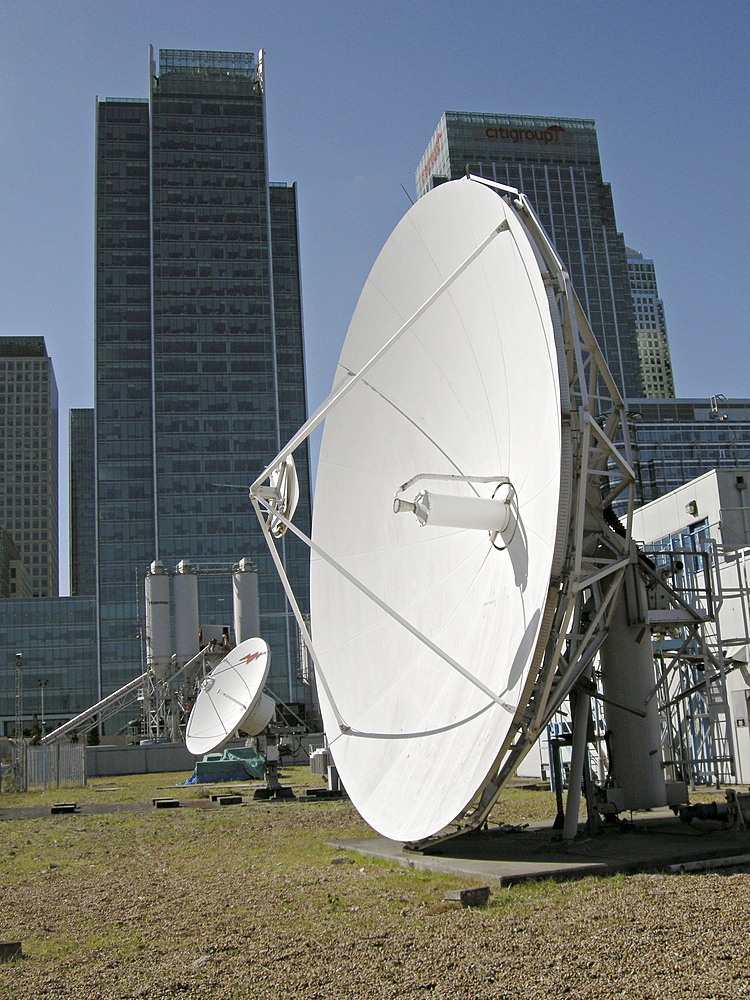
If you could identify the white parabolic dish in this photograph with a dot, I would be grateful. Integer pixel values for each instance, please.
(231, 698)
(471, 390)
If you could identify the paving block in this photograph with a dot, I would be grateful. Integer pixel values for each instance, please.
(166, 803)
(279, 794)
(476, 896)
(10, 951)
(63, 807)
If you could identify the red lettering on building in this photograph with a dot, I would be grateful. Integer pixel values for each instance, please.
(431, 158)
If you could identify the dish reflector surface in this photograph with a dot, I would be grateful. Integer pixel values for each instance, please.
(470, 390)
(231, 698)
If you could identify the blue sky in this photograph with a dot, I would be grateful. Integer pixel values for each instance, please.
(354, 92)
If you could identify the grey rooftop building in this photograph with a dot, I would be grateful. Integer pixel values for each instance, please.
(677, 440)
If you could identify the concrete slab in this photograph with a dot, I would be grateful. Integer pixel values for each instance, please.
(63, 807)
(505, 856)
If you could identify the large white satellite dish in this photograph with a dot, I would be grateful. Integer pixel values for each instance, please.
(469, 402)
(457, 496)
(231, 698)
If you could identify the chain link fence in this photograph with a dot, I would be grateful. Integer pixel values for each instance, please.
(50, 766)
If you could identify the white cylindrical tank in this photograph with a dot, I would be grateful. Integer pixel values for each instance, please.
(158, 628)
(186, 626)
(246, 601)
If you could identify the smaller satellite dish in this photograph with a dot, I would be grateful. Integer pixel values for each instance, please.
(231, 698)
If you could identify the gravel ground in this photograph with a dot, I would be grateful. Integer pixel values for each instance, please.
(248, 902)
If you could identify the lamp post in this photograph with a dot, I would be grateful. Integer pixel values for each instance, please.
(19, 749)
(18, 730)
(43, 684)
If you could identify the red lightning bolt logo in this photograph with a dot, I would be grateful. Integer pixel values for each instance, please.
(249, 657)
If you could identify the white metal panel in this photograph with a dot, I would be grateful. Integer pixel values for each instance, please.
(185, 588)
(246, 601)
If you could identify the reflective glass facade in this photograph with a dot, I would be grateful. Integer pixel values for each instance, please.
(28, 458)
(14, 580)
(199, 363)
(555, 162)
(82, 514)
(676, 440)
(57, 637)
(651, 328)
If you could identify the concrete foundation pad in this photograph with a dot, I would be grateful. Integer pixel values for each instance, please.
(10, 951)
(503, 856)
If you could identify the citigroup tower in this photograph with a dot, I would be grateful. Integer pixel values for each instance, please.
(556, 163)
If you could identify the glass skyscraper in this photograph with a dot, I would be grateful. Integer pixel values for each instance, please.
(28, 448)
(82, 517)
(555, 162)
(57, 637)
(651, 327)
(199, 353)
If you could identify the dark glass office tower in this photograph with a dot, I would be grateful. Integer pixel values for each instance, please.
(28, 447)
(82, 517)
(555, 162)
(57, 636)
(199, 354)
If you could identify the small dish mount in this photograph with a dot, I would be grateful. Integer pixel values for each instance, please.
(281, 495)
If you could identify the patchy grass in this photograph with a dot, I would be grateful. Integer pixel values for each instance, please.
(249, 902)
(142, 788)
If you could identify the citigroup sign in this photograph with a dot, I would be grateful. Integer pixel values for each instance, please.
(550, 134)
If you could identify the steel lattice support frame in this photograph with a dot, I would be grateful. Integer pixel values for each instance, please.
(593, 557)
